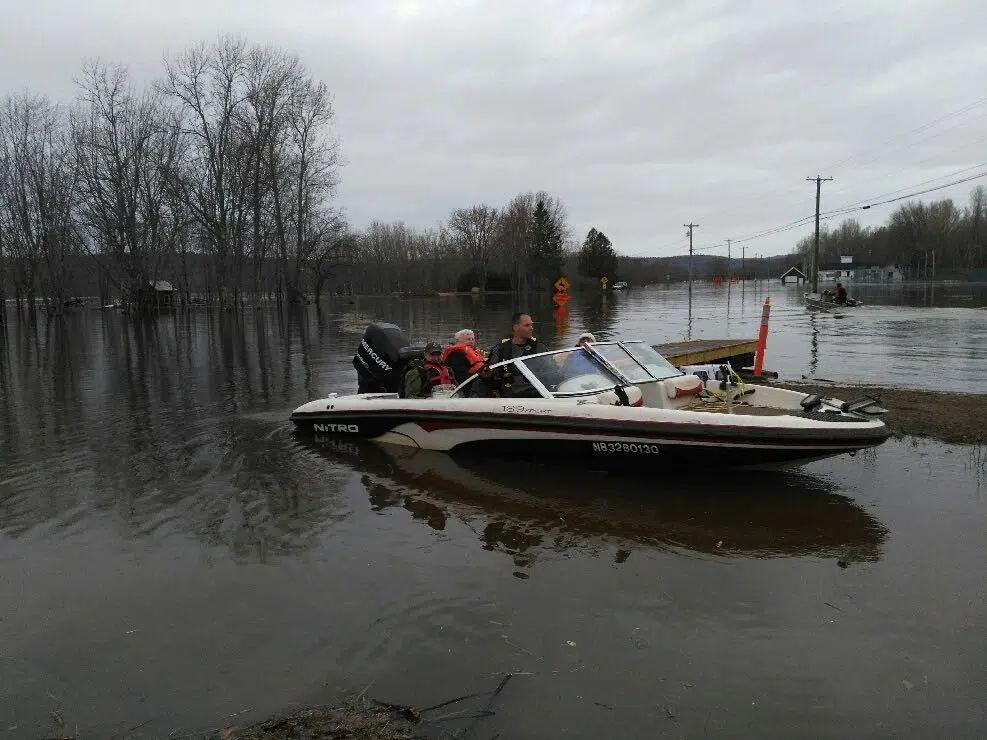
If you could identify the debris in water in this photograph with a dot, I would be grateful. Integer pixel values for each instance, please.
(363, 718)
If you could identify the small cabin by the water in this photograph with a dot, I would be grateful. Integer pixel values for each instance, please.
(158, 294)
(793, 274)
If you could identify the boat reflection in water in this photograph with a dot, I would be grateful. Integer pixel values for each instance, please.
(525, 509)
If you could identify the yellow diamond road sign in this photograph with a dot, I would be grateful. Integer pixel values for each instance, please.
(562, 285)
(603, 279)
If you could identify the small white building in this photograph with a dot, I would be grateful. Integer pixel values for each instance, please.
(845, 271)
(793, 275)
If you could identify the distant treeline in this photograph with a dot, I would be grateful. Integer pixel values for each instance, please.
(229, 155)
(915, 236)
(219, 178)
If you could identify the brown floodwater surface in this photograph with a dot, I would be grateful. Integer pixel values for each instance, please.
(174, 559)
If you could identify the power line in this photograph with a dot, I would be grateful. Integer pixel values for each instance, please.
(854, 204)
(829, 215)
(919, 192)
(925, 160)
(764, 194)
(745, 202)
(920, 129)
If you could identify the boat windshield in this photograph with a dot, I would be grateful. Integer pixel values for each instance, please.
(570, 371)
(621, 360)
(581, 370)
(657, 365)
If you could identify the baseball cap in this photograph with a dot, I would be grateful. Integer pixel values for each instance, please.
(432, 347)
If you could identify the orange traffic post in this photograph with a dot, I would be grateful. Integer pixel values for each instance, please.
(762, 337)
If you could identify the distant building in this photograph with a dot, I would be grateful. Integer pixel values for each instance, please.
(793, 274)
(158, 293)
(847, 272)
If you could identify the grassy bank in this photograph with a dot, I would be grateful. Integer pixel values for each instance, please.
(954, 418)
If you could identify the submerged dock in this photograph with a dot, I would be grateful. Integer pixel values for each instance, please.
(738, 352)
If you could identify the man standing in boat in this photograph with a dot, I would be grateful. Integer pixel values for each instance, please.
(840, 296)
(519, 344)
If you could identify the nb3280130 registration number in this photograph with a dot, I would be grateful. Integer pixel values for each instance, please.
(630, 447)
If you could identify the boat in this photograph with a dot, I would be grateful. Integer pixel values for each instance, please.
(825, 302)
(610, 405)
(619, 285)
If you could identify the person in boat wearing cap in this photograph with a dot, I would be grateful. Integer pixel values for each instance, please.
(436, 371)
(462, 357)
(840, 295)
(519, 344)
(581, 363)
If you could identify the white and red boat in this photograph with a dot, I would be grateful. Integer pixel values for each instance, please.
(615, 404)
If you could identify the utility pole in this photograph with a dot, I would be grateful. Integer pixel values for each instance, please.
(690, 227)
(815, 254)
(729, 266)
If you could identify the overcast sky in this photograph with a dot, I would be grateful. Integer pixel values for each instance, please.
(640, 115)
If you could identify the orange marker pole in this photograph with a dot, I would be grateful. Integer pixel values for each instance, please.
(762, 337)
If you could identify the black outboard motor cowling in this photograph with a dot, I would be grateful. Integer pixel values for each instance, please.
(381, 357)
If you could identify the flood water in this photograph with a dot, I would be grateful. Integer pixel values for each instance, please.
(173, 560)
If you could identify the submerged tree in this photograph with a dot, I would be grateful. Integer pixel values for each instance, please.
(262, 162)
(209, 84)
(127, 152)
(37, 196)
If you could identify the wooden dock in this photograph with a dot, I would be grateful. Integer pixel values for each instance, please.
(738, 352)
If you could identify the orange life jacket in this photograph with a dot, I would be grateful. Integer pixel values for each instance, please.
(438, 373)
(473, 357)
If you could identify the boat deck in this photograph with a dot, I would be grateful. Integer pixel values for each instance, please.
(738, 352)
(721, 408)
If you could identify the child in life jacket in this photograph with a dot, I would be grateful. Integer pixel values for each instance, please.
(437, 372)
(421, 376)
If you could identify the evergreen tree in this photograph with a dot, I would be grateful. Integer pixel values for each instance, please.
(597, 257)
(547, 254)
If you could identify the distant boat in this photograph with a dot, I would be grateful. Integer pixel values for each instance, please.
(619, 285)
(827, 302)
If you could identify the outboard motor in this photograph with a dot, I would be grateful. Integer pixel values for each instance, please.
(381, 357)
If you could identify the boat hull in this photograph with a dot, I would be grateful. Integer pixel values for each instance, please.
(606, 437)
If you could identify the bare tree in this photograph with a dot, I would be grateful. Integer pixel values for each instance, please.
(127, 151)
(210, 84)
(944, 218)
(333, 247)
(514, 237)
(271, 77)
(37, 198)
(6, 227)
(975, 215)
(320, 237)
(475, 229)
